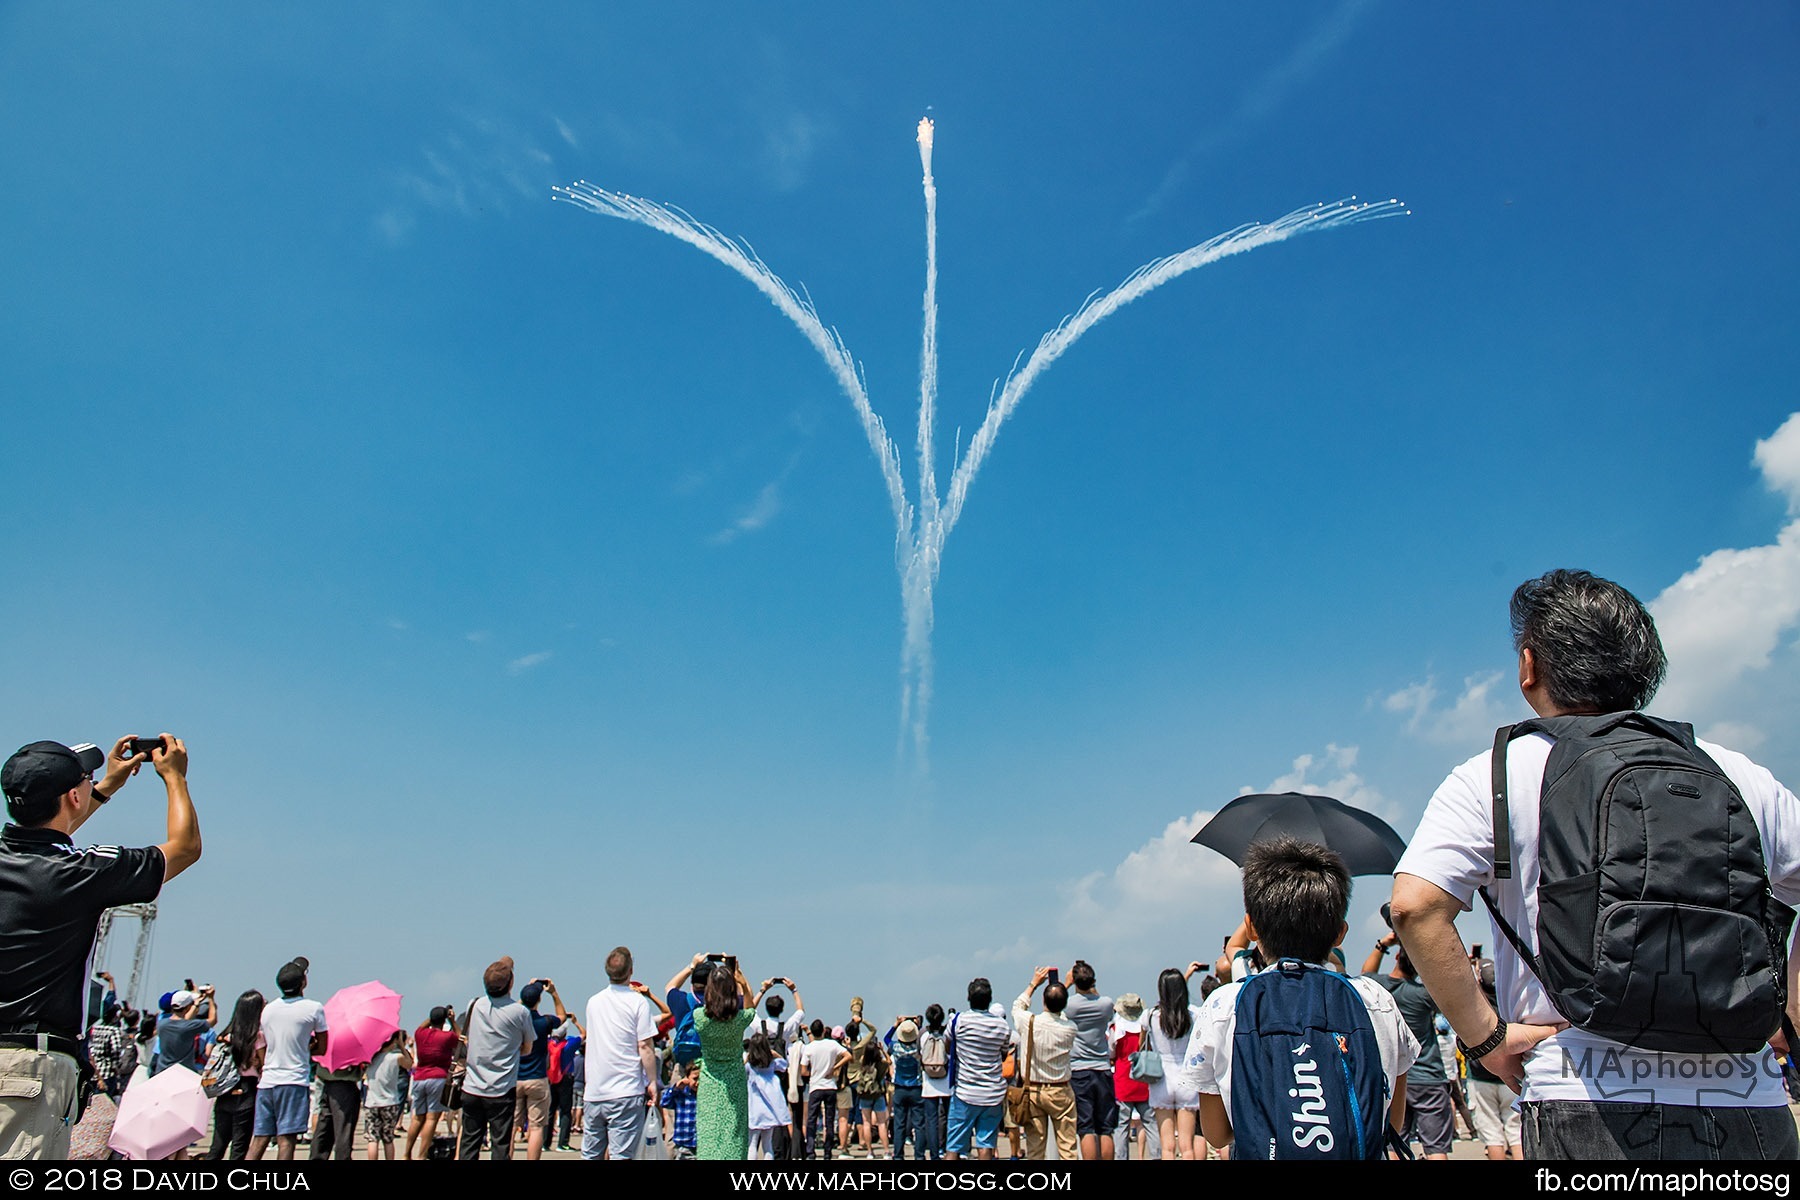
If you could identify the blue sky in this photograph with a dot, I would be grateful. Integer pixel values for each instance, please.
(523, 584)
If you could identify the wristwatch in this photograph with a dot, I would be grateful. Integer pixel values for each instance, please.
(1487, 1047)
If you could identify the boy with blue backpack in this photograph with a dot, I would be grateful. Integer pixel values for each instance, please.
(1298, 1062)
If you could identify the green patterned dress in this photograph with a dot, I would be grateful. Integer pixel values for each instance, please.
(724, 1106)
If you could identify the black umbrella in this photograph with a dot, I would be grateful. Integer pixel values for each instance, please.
(1367, 843)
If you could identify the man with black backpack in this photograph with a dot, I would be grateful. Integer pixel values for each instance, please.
(1639, 880)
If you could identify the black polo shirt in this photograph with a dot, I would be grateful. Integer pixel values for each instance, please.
(51, 898)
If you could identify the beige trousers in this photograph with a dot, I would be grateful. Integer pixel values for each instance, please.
(1052, 1104)
(37, 1103)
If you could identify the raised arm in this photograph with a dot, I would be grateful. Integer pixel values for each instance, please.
(644, 991)
(182, 849)
(562, 1014)
(1372, 964)
(680, 978)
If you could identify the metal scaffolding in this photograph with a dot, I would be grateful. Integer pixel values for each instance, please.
(140, 958)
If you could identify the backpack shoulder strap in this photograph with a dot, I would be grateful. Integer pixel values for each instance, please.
(1503, 856)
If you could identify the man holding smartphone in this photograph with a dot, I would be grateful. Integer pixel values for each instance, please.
(51, 898)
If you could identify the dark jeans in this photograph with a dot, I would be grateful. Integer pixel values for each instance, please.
(335, 1134)
(562, 1108)
(1577, 1129)
(490, 1119)
(821, 1123)
(937, 1110)
(912, 1120)
(233, 1115)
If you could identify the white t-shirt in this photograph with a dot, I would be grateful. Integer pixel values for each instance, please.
(618, 1019)
(1209, 1047)
(383, 1077)
(787, 1027)
(819, 1057)
(288, 1025)
(1454, 849)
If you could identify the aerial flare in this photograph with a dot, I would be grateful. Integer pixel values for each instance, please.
(920, 532)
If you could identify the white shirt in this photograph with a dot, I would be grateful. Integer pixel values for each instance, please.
(618, 1019)
(1454, 849)
(288, 1025)
(818, 1057)
(787, 1027)
(1209, 1046)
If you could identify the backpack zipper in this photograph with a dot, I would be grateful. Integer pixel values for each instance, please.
(1356, 1122)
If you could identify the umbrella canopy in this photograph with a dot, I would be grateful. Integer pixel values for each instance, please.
(359, 1020)
(1368, 844)
(161, 1114)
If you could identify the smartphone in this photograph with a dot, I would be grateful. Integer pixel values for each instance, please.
(138, 745)
(715, 958)
(1053, 976)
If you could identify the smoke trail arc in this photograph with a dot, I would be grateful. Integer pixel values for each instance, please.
(920, 534)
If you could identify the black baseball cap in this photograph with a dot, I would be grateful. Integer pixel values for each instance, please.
(37, 774)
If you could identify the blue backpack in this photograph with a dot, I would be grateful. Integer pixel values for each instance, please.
(1306, 1074)
(906, 1064)
(686, 1046)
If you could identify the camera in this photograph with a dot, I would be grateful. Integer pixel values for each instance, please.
(138, 745)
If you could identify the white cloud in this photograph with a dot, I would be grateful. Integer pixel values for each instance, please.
(1486, 702)
(787, 148)
(1725, 619)
(1261, 101)
(1778, 457)
(519, 666)
(476, 636)
(1154, 897)
(484, 165)
(1735, 734)
(567, 134)
(765, 508)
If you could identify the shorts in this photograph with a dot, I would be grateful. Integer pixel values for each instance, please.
(980, 1121)
(428, 1096)
(868, 1105)
(846, 1099)
(1496, 1120)
(1429, 1116)
(613, 1128)
(533, 1103)
(37, 1092)
(1096, 1104)
(282, 1110)
(380, 1123)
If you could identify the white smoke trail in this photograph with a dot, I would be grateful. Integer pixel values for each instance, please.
(1146, 278)
(797, 308)
(918, 550)
(918, 573)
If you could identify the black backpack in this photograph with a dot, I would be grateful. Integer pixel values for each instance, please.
(1656, 926)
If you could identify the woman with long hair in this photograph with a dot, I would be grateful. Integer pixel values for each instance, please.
(934, 1089)
(724, 1099)
(435, 1042)
(234, 1112)
(146, 1047)
(1175, 1098)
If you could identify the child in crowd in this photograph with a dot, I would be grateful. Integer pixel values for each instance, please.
(682, 1099)
(1296, 895)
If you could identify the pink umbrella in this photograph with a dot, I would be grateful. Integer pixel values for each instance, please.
(359, 1020)
(161, 1114)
